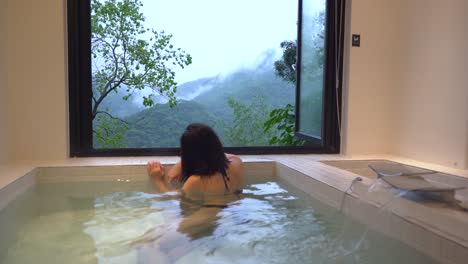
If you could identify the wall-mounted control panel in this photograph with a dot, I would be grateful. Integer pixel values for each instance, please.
(356, 39)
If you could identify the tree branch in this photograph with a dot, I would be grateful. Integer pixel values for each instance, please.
(113, 117)
(99, 136)
(107, 90)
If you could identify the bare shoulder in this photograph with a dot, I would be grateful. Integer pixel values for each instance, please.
(235, 171)
(234, 159)
(193, 183)
(235, 165)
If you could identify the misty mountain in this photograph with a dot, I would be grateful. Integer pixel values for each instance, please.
(246, 86)
(118, 107)
(189, 90)
(161, 126)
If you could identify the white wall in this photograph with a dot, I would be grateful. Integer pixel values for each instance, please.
(394, 102)
(37, 81)
(372, 77)
(432, 100)
(3, 83)
(407, 84)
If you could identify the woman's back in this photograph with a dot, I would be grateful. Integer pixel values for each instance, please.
(216, 183)
(204, 169)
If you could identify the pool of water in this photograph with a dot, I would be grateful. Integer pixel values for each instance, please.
(129, 222)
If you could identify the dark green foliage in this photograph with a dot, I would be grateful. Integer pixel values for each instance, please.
(286, 67)
(109, 132)
(282, 120)
(247, 126)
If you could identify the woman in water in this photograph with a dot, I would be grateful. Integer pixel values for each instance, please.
(210, 181)
(203, 169)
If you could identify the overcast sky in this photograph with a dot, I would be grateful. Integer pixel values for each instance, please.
(223, 35)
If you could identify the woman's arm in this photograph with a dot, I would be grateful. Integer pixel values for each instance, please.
(157, 174)
(175, 173)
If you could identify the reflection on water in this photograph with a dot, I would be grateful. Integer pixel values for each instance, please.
(270, 222)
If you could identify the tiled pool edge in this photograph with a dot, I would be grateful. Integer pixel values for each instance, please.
(389, 222)
(17, 187)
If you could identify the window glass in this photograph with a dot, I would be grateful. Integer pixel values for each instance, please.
(160, 65)
(140, 71)
(312, 68)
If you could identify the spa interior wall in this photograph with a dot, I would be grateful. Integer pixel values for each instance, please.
(407, 92)
(37, 87)
(432, 101)
(3, 84)
(404, 93)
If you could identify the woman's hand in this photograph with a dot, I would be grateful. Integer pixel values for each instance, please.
(156, 171)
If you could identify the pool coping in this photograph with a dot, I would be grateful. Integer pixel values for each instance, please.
(405, 220)
(11, 171)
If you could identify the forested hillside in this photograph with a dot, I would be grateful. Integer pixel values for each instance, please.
(138, 102)
(161, 125)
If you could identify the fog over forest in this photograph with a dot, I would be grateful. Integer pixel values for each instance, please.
(234, 45)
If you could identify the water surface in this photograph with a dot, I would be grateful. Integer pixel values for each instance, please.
(129, 222)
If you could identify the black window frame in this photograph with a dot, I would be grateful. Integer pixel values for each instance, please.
(80, 92)
(330, 138)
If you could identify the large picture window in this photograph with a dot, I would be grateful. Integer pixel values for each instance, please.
(259, 72)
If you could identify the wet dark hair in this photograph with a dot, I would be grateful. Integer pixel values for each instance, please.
(201, 152)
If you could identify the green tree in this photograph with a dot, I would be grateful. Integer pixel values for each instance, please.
(283, 119)
(246, 128)
(128, 57)
(109, 132)
(285, 68)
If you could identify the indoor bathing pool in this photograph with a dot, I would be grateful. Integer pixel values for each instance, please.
(124, 221)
